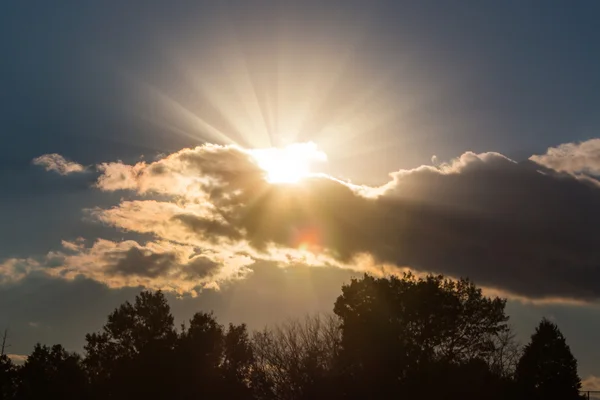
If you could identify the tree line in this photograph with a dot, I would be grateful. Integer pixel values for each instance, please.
(394, 337)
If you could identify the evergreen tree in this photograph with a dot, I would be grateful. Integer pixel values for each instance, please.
(547, 369)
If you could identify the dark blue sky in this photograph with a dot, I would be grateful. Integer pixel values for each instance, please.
(515, 77)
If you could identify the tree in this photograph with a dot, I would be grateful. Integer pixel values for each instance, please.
(547, 369)
(296, 360)
(8, 378)
(198, 352)
(212, 363)
(132, 356)
(396, 330)
(505, 357)
(52, 372)
(238, 361)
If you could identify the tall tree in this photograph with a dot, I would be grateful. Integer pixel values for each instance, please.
(238, 362)
(547, 368)
(198, 352)
(394, 329)
(132, 356)
(212, 363)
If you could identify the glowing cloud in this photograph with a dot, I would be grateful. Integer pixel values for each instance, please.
(581, 160)
(485, 216)
(57, 163)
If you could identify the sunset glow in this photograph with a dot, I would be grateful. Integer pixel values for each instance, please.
(289, 199)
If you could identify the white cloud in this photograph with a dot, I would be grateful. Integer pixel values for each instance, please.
(57, 163)
(578, 159)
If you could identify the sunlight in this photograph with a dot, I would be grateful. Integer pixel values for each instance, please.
(289, 164)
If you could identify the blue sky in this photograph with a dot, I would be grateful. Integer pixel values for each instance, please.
(379, 86)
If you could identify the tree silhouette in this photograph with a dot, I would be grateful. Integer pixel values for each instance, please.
(8, 378)
(296, 360)
(199, 352)
(506, 355)
(396, 337)
(547, 369)
(395, 329)
(52, 372)
(132, 356)
(238, 362)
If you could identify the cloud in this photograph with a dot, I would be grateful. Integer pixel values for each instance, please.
(14, 270)
(577, 159)
(192, 173)
(57, 163)
(182, 269)
(143, 262)
(591, 383)
(187, 222)
(17, 358)
(501, 223)
(154, 265)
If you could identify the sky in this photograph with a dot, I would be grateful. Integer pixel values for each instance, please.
(139, 150)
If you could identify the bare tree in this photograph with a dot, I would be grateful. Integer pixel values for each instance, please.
(295, 358)
(507, 352)
(4, 345)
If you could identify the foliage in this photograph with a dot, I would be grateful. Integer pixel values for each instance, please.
(8, 378)
(397, 337)
(132, 356)
(52, 372)
(547, 369)
(394, 329)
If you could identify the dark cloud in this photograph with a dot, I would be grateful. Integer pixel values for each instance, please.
(140, 262)
(501, 223)
(517, 227)
(200, 267)
(146, 263)
(210, 229)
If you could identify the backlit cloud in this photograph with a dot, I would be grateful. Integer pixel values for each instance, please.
(14, 270)
(57, 163)
(578, 159)
(504, 224)
(154, 265)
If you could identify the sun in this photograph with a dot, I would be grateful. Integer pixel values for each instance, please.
(289, 164)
